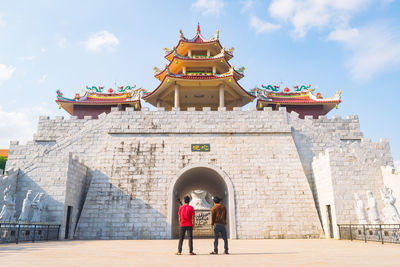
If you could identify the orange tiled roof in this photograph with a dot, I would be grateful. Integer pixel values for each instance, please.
(4, 152)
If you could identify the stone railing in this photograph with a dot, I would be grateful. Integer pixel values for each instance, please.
(384, 233)
(28, 232)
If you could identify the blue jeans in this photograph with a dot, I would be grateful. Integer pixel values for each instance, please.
(220, 228)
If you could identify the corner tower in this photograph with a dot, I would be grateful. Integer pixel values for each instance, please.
(199, 75)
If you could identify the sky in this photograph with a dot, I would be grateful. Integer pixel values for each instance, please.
(347, 45)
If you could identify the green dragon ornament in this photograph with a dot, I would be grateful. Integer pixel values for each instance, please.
(274, 88)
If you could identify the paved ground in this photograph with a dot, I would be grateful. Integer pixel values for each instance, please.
(162, 253)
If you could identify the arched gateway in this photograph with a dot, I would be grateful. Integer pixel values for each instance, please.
(203, 177)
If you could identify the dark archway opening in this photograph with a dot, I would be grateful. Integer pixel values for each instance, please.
(198, 178)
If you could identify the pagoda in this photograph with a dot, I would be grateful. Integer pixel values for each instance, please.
(95, 101)
(199, 75)
(301, 100)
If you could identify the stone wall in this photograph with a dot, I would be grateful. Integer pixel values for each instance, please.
(391, 179)
(145, 151)
(117, 171)
(76, 189)
(341, 172)
(50, 129)
(313, 136)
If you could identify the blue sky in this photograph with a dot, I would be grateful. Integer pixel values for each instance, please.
(347, 45)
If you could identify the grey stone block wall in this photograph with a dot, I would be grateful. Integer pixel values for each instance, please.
(117, 171)
(391, 179)
(76, 189)
(341, 172)
(313, 136)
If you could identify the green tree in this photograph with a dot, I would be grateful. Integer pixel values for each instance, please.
(3, 161)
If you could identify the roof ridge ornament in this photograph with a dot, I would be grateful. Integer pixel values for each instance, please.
(181, 36)
(198, 27)
(156, 70)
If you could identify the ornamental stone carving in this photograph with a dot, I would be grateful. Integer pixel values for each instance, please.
(199, 201)
(26, 207)
(373, 214)
(37, 207)
(390, 212)
(360, 210)
(8, 210)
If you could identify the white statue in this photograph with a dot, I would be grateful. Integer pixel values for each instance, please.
(199, 201)
(8, 210)
(373, 214)
(37, 207)
(390, 212)
(360, 210)
(26, 207)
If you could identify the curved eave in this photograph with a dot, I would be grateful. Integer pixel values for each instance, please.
(97, 102)
(161, 74)
(220, 56)
(173, 55)
(299, 102)
(169, 56)
(69, 105)
(327, 106)
(200, 78)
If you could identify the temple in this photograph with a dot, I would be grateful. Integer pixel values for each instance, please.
(95, 101)
(124, 174)
(199, 75)
(301, 100)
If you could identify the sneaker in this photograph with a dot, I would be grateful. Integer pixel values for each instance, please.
(192, 253)
(226, 252)
(214, 253)
(178, 253)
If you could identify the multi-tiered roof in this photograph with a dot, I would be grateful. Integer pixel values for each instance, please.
(199, 75)
(302, 100)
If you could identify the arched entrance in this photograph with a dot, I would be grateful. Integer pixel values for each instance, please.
(201, 177)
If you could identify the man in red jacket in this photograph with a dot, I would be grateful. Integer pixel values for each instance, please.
(187, 222)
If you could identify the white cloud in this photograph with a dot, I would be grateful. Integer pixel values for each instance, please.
(261, 26)
(387, 2)
(343, 34)
(209, 7)
(43, 79)
(19, 125)
(6, 72)
(27, 58)
(100, 40)
(374, 48)
(247, 5)
(308, 14)
(62, 42)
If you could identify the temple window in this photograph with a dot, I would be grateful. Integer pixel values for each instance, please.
(199, 54)
(199, 71)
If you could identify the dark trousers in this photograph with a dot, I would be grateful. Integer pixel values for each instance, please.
(220, 228)
(182, 232)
